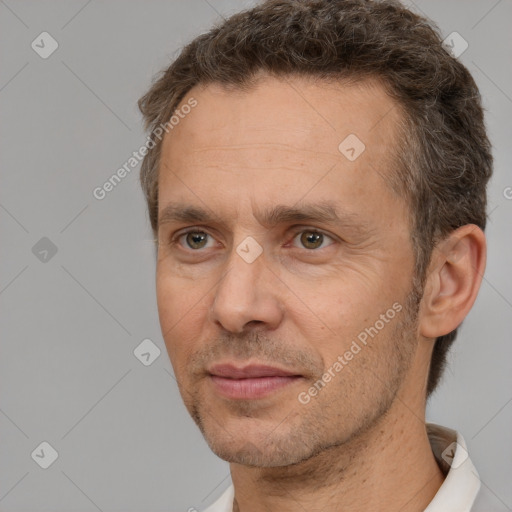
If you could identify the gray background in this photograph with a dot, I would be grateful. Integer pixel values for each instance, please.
(70, 324)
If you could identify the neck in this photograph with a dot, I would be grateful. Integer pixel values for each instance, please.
(387, 468)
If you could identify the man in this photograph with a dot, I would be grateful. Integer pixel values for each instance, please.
(315, 180)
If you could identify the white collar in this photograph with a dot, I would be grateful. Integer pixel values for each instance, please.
(462, 483)
(456, 494)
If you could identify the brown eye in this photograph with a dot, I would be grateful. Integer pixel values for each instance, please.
(195, 239)
(312, 239)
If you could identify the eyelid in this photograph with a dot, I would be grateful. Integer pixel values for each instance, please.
(300, 229)
(296, 230)
(185, 231)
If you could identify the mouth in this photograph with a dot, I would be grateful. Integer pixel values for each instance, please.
(249, 382)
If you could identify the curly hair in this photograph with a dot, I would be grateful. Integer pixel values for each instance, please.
(443, 161)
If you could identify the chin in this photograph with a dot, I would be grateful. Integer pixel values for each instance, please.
(255, 443)
(248, 454)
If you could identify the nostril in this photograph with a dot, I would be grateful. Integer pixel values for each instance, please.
(256, 322)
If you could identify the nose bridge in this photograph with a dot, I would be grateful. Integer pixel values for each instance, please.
(246, 293)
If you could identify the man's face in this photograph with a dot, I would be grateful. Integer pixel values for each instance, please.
(240, 290)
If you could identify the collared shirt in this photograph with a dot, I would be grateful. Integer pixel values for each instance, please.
(460, 488)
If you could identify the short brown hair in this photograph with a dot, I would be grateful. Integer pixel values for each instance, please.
(444, 159)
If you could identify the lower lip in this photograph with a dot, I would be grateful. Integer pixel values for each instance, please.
(245, 389)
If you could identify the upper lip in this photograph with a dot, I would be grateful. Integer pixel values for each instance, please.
(232, 371)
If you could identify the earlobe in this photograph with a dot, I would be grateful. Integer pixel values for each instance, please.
(455, 275)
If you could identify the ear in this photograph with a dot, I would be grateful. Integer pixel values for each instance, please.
(454, 277)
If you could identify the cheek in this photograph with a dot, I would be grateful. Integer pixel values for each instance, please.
(337, 308)
(181, 312)
(168, 305)
(176, 296)
(343, 313)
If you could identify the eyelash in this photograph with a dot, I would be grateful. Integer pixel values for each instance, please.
(175, 239)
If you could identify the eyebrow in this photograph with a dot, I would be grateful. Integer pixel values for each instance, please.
(322, 212)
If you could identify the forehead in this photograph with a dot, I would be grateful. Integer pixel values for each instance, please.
(296, 108)
(279, 138)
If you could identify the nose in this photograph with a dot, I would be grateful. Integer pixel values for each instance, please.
(247, 295)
